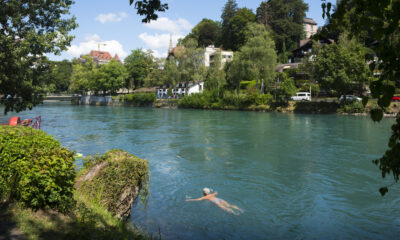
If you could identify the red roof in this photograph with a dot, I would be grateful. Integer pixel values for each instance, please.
(101, 55)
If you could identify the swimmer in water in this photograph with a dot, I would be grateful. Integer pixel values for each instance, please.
(218, 201)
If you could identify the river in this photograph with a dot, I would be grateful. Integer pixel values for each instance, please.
(295, 176)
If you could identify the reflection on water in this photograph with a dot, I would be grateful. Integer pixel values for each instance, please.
(295, 176)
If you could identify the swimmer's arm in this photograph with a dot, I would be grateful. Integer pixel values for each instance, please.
(214, 194)
(196, 199)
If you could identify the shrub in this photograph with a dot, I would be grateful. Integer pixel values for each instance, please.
(35, 169)
(352, 107)
(140, 99)
(192, 101)
(121, 171)
(264, 99)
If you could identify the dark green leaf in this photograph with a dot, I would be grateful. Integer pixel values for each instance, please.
(365, 100)
(383, 190)
(376, 115)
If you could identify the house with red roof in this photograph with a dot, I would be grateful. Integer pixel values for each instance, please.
(102, 57)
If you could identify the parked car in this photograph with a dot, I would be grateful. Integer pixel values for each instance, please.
(396, 99)
(301, 96)
(350, 98)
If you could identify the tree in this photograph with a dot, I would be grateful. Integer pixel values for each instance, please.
(138, 64)
(258, 55)
(83, 77)
(171, 74)
(381, 18)
(148, 8)
(238, 29)
(27, 31)
(285, 18)
(286, 88)
(236, 71)
(229, 11)
(205, 32)
(60, 73)
(216, 75)
(341, 67)
(112, 76)
(190, 61)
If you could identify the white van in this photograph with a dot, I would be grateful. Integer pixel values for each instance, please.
(300, 96)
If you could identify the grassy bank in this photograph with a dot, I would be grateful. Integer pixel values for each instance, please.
(89, 220)
(40, 197)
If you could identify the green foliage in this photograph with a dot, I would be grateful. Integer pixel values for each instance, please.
(389, 162)
(341, 68)
(138, 65)
(215, 79)
(140, 99)
(148, 8)
(111, 77)
(229, 11)
(229, 100)
(258, 56)
(286, 88)
(205, 32)
(122, 171)
(285, 19)
(87, 76)
(238, 23)
(60, 74)
(35, 169)
(352, 107)
(28, 31)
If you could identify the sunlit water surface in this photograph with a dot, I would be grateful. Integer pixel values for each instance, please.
(295, 176)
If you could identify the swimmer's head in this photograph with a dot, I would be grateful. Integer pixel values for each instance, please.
(206, 191)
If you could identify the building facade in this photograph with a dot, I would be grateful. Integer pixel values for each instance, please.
(310, 27)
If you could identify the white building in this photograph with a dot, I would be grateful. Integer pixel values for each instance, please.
(310, 27)
(181, 89)
(210, 53)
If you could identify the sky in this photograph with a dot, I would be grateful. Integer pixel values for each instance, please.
(119, 29)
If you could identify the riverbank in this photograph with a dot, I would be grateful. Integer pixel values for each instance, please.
(42, 196)
(318, 106)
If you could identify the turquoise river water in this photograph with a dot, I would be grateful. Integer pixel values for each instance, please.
(295, 176)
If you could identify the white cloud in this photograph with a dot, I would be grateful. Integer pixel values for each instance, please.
(167, 25)
(111, 17)
(92, 37)
(91, 43)
(159, 40)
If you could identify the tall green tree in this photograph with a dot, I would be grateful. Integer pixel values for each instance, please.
(61, 72)
(242, 18)
(285, 19)
(236, 72)
(28, 30)
(112, 76)
(286, 88)
(83, 77)
(259, 56)
(341, 67)
(206, 32)
(138, 64)
(215, 79)
(229, 11)
(190, 61)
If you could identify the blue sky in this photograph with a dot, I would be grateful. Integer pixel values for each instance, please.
(115, 24)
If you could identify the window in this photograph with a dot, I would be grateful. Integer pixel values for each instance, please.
(199, 87)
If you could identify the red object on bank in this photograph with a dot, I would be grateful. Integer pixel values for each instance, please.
(396, 99)
(32, 122)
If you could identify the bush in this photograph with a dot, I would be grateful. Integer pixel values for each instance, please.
(193, 101)
(352, 107)
(140, 99)
(35, 169)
